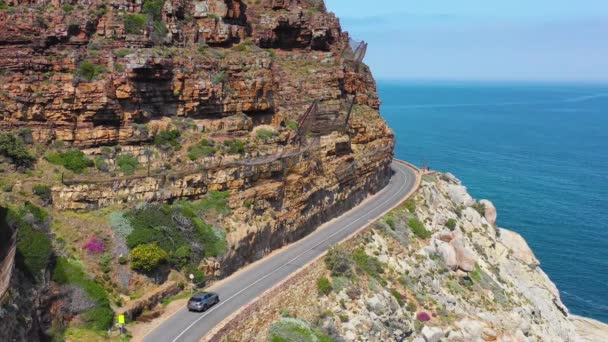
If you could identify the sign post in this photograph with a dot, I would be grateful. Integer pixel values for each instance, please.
(121, 324)
(192, 281)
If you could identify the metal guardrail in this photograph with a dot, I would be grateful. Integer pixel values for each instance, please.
(6, 266)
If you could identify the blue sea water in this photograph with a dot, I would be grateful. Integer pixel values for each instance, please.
(539, 152)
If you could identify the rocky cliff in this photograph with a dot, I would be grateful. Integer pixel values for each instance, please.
(435, 269)
(105, 105)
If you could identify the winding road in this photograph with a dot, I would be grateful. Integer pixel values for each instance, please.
(247, 284)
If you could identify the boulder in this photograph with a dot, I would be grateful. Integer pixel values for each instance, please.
(518, 246)
(490, 213)
(465, 257)
(432, 334)
(448, 254)
(459, 195)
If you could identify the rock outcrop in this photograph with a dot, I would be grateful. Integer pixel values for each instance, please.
(464, 280)
(94, 75)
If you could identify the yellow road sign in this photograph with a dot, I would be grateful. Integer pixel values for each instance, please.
(121, 319)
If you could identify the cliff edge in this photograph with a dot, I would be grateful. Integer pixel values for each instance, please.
(436, 269)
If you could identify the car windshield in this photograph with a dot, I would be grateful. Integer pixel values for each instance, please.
(196, 299)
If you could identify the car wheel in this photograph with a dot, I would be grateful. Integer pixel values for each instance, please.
(205, 308)
(217, 300)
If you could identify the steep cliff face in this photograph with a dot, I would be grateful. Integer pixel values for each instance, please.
(278, 76)
(436, 269)
(108, 104)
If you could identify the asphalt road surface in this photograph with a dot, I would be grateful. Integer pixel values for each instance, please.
(244, 286)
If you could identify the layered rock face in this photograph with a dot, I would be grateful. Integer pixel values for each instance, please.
(96, 74)
(436, 269)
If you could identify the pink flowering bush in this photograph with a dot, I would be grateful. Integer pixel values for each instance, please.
(423, 317)
(95, 245)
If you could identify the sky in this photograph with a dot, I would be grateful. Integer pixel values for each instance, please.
(501, 40)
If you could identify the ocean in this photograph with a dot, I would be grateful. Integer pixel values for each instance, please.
(539, 152)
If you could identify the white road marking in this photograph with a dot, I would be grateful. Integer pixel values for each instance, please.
(284, 265)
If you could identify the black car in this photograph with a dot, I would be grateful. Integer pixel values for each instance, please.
(203, 301)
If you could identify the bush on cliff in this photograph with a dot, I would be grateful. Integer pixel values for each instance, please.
(324, 286)
(34, 248)
(339, 262)
(451, 224)
(168, 139)
(148, 257)
(127, 163)
(134, 23)
(235, 146)
(13, 147)
(178, 229)
(369, 264)
(204, 148)
(73, 160)
(71, 272)
(418, 229)
(89, 70)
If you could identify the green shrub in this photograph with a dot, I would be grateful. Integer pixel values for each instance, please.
(68, 8)
(101, 164)
(451, 224)
(476, 274)
(73, 160)
(235, 146)
(105, 262)
(398, 296)
(134, 23)
(127, 163)
(338, 262)
(99, 318)
(34, 249)
(480, 208)
(120, 224)
(324, 286)
(339, 283)
(391, 222)
(410, 205)
(89, 70)
(418, 229)
(3, 5)
(220, 77)
(205, 148)
(13, 147)
(148, 257)
(265, 134)
(174, 228)
(43, 191)
(168, 139)
(369, 264)
(199, 276)
(291, 124)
